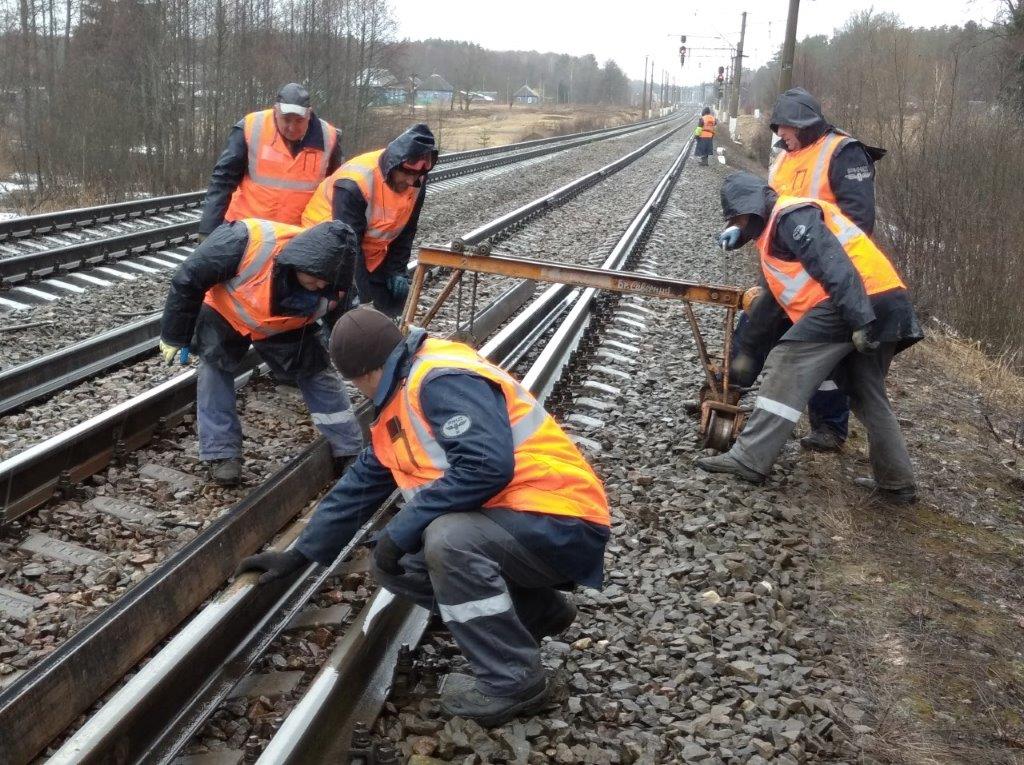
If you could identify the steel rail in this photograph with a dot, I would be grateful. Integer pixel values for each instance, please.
(78, 665)
(355, 682)
(21, 268)
(43, 375)
(34, 225)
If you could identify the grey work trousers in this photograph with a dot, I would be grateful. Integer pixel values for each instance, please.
(488, 589)
(792, 373)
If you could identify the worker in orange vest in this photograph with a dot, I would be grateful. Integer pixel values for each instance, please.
(265, 284)
(272, 164)
(501, 513)
(820, 161)
(849, 310)
(705, 133)
(380, 195)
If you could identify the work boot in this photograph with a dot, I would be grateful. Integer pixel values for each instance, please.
(691, 406)
(726, 463)
(906, 495)
(227, 472)
(555, 622)
(461, 699)
(822, 439)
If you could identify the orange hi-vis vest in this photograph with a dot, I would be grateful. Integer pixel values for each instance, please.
(277, 185)
(707, 126)
(245, 300)
(804, 172)
(387, 211)
(551, 476)
(795, 289)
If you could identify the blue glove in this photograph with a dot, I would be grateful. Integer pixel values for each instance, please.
(730, 238)
(398, 286)
(168, 351)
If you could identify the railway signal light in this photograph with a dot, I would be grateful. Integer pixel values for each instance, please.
(682, 55)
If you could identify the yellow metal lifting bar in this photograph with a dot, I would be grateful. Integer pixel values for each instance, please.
(721, 416)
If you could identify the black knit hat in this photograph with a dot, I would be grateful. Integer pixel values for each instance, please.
(362, 340)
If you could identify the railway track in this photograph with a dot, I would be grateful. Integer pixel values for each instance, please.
(308, 468)
(40, 256)
(65, 366)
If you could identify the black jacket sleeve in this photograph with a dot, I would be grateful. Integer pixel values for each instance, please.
(852, 178)
(349, 206)
(227, 174)
(802, 234)
(337, 157)
(400, 249)
(214, 261)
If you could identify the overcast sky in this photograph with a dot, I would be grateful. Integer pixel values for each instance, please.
(651, 27)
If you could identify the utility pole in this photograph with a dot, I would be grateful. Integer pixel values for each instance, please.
(650, 93)
(643, 96)
(734, 104)
(789, 47)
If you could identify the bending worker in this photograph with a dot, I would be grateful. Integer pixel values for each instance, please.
(267, 284)
(272, 164)
(380, 195)
(848, 308)
(705, 144)
(501, 513)
(819, 161)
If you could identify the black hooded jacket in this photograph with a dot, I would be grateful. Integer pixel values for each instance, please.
(326, 251)
(801, 234)
(350, 206)
(852, 172)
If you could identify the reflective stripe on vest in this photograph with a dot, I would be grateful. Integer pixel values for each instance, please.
(550, 476)
(249, 291)
(277, 186)
(795, 290)
(387, 212)
(804, 172)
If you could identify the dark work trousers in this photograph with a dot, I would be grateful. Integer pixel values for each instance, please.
(488, 589)
(828, 407)
(373, 289)
(792, 373)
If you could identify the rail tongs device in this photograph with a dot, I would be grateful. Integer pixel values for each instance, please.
(721, 417)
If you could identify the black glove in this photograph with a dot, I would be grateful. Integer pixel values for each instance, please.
(398, 286)
(862, 340)
(273, 564)
(387, 554)
(741, 370)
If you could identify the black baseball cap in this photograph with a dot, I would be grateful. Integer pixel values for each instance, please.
(293, 99)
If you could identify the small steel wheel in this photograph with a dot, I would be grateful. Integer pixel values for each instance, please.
(718, 435)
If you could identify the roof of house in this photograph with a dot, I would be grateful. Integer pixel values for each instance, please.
(436, 82)
(526, 90)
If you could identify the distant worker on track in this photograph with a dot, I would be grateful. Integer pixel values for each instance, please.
(272, 164)
(380, 195)
(705, 133)
(850, 311)
(819, 161)
(502, 511)
(266, 284)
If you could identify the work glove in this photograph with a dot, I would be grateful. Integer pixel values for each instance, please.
(398, 286)
(387, 554)
(168, 351)
(741, 370)
(273, 564)
(862, 340)
(200, 238)
(730, 238)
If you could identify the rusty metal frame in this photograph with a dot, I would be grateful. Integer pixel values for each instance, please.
(718, 395)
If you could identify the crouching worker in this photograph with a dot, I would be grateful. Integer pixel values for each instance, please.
(266, 284)
(849, 308)
(501, 510)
